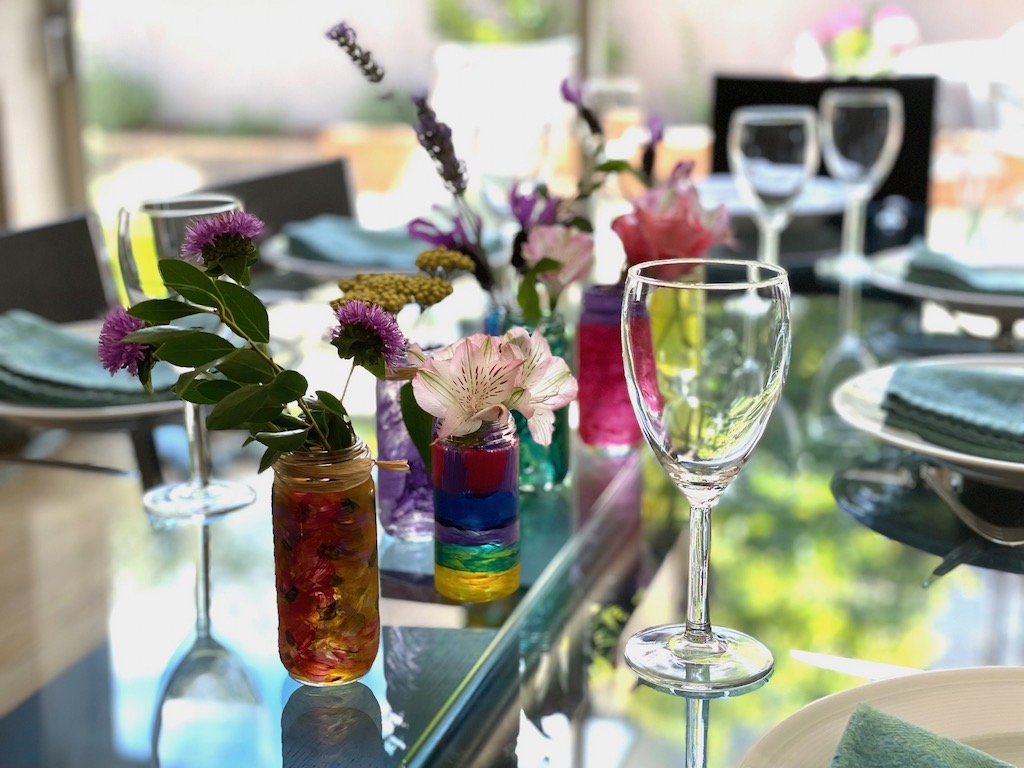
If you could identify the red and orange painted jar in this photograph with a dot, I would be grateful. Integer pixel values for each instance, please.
(325, 562)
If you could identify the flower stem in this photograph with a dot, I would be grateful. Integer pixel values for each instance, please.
(258, 349)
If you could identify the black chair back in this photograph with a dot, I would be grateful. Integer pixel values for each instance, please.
(54, 270)
(294, 193)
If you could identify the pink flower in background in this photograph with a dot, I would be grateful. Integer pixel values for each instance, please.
(844, 19)
(570, 247)
(669, 223)
(893, 29)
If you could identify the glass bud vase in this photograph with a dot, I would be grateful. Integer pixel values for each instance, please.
(405, 500)
(476, 513)
(607, 420)
(545, 466)
(325, 563)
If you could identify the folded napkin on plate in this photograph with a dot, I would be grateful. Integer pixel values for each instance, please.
(338, 239)
(940, 270)
(973, 410)
(42, 363)
(874, 739)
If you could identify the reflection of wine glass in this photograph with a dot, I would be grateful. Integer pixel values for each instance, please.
(209, 708)
(773, 151)
(861, 134)
(155, 231)
(683, 346)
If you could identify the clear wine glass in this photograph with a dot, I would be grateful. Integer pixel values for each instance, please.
(861, 135)
(686, 355)
(152, 232)
(209, 710)
(773, 152)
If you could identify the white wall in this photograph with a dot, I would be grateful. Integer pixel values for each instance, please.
(29, 139)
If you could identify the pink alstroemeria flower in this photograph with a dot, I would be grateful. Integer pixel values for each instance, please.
(570, 247)
(669, 223)
(547, 383)
(472, 381)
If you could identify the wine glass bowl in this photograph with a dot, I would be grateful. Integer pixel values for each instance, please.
(772, 151)
(703, 379)
(151, 232)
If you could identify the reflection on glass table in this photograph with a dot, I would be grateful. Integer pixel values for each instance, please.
(98, 602)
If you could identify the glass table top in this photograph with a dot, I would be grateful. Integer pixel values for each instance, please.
(812, 555)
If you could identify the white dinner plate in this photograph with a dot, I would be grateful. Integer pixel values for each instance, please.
(823, 196)
(95, 417)
(979, 706)
(889, 270)
(858, 401)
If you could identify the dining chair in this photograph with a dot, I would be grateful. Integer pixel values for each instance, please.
(286, 194)
(58, 270)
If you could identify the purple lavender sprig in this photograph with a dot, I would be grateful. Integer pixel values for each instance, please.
(436, 137)
(345, 37)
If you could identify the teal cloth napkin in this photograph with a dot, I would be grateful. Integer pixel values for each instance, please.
(973, 410)
(940, 270)
(874, 739)
(338, 239)
(42, 363)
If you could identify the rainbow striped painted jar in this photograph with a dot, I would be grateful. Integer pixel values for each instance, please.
(476, 513)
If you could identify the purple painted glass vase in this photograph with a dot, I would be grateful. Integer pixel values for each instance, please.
(405, 500)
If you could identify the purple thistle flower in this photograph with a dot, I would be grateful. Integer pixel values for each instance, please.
(436, 138)
(368, 334)
(223, 244)
(345, 37)
(117, 354)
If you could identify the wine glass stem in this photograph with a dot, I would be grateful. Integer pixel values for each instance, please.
(698, 621)
(203, 583)
(854, 221)
(768, 245)
(849, 308)
(198, 446)
(697, 733)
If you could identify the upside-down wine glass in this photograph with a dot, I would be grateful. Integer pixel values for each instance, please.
(772, 152)
(154, 231)
(861, 135)
(685, 350)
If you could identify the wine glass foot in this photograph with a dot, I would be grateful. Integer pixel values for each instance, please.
(664, 659)
(184, 503)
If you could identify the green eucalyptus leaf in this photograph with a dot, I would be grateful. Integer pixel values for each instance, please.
(546, 265)
(246, 311)
(418, 422)
(216, 389)
(247, 366)
(195, 350)
(287, 387)
(157, 334)
(191, 283)
(269, 457)
(290, 440)
(239, 407)
(163, 311)
(331, 403)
